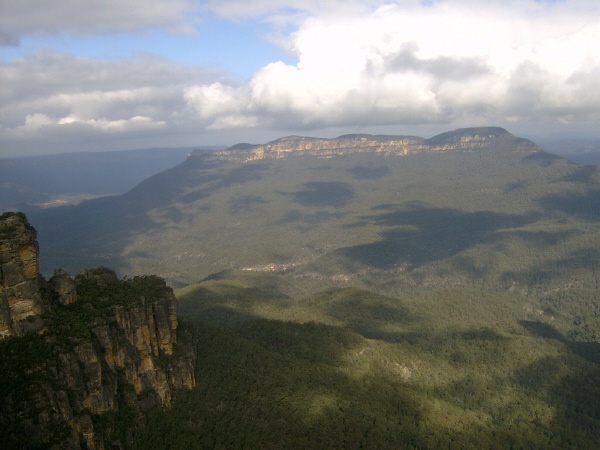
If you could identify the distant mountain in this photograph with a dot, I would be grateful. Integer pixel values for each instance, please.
(466, 203)
(54, 180)
(469, 139)
(377, 291)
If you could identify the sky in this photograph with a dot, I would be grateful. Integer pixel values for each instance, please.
(102, 75)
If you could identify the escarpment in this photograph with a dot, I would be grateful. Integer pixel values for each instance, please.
(84, 359)
(466, 139)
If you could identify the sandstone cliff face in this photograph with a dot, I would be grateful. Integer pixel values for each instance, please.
(467, 139)
(64, 287)
(107, 352)
(20, 302)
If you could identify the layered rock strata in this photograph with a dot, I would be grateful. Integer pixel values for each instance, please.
(83, 359)
(466, 139)
(20, 301)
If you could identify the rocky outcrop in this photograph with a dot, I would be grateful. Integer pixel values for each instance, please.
(469, 139)
(64, 286)
(103, 352)
(124, 361)
(20, 302)
(465, 139)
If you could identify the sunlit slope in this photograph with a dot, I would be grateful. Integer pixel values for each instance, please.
(438, 299)
(437, 379)
(457, 367)
(511, 218)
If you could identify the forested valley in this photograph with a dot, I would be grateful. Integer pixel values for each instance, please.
(441, 299)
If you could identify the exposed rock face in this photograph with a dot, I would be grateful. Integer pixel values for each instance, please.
(466, 139)
(107, 352)
(64, 286)
(117, 365)
(20, 302)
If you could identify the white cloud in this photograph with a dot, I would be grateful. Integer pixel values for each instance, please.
(133, 123)
(41, 123)
(50, 94)
(448, 62)
(213, 100)
(45, 17)
(358, 64)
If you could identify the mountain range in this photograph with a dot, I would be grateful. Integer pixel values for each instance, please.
(331, 209)
(364, 291)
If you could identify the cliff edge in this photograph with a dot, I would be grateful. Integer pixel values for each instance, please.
(463, 139)
(82, 360)
(20, 300)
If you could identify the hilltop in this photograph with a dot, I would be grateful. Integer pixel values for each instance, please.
(465, 139)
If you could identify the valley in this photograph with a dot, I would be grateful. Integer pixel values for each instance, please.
(47, 181)
(452, 216)
(364, 292)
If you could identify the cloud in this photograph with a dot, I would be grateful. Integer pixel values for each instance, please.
(43, 17)
(461, 62)
(441, 67)
(51, 94)
(357, 64)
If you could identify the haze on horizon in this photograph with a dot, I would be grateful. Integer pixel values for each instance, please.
(122, 74)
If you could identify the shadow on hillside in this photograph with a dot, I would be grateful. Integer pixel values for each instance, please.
(542, 329)
(571, 387)
(555, 269)
(540, 237)
(312, 341)
(543, 158)
(217, 314)
(203, 183)
(583, 206)
(585, 175)
(245, 203)
(275, 385)
(587, 350)
(243, 174)
(323, 194)
(419, 234)
(223, 302)
(285, 373)
(100, 229)
(365, 312)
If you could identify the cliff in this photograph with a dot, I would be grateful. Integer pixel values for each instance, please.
(103, 352)
(464, 139)
(20, 302)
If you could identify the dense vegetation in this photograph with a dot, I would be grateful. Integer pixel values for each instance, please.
(42, 378)
(98, 292)
(496, 217)
(441, 367)
(275, 384)
(427, 301)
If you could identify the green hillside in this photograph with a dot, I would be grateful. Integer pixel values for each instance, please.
(480, 383)
(425, 218)
(440, 299)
